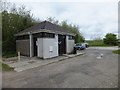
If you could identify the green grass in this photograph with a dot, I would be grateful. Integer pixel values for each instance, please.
(9, 54)
(116, 51)
(5, 67)
(97, 43)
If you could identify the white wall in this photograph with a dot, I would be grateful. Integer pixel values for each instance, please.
(69, 45)
(47, 47)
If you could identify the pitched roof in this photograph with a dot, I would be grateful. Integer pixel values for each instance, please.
(45, 26)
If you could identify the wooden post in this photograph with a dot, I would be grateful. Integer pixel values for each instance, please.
(18, 56)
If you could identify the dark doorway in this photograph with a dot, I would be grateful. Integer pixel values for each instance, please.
(35, 46)
(61, 44)
(35, 36)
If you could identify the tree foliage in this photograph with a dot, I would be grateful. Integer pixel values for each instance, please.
(14, 20)
(52, 20)
(110, 39)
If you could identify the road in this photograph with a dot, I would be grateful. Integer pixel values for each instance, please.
(98, 68)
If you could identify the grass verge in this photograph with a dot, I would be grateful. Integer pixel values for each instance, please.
(97, 43)
(5, 67)
(116, 51)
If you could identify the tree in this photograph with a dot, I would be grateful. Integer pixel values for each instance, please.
(14, 20)
(52, 20)
(110, 39)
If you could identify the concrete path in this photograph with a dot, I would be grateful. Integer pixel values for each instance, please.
(28, 63)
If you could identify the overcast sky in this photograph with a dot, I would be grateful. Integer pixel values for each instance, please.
(94, 19)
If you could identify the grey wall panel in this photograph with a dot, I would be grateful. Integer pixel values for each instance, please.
(40, 47)
(50, 47)
(69, 45)
(23, 46)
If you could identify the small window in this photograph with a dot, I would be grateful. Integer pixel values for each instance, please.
(70, 37)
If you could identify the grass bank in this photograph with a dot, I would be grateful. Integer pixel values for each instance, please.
(116, 51)
(5, 67)
(97, 43)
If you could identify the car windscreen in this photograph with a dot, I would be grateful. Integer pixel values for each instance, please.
(78, 44)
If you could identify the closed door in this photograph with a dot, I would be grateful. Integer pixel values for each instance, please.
(61, 44)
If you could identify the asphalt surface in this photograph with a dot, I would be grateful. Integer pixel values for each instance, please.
(98, 68)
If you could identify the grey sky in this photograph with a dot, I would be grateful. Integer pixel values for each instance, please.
(95, 19)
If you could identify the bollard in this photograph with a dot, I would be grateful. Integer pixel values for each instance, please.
(18, 56)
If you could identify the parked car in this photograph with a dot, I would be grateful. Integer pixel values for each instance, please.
(85, 44)
(79, 46)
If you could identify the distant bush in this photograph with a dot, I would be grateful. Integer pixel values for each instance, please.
(110, 39)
